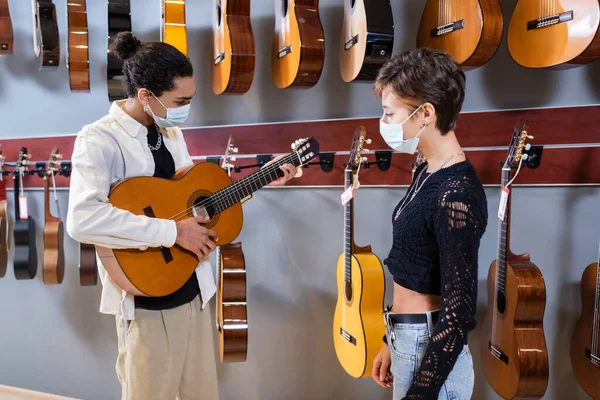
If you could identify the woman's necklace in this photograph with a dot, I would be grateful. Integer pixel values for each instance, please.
(416, 188)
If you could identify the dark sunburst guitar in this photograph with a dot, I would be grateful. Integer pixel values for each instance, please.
(298, 51)
(358, 324)
(367, 38)
(513, 351)
(54, 256)
(470, 31)
(78, 59)
(6, 30)
(25, 258)
(46, 40)
(119, 20)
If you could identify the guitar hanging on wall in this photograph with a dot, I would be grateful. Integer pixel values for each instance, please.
(470, 31)
(25, 259)
(513, 352)
(173, 24)
(6, 31)
(78, 59)
(585, 341)
(367, 38)
(554, 34)
(46, 40)
(119, 20)
(298, 50)
(358, 325)
(88, 265)
(3, 220)
(54, 257)
(233, 47)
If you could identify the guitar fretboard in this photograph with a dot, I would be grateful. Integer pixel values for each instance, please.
(348, 229)
(503, 239)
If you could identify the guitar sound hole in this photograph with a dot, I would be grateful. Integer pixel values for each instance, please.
(204, 208)
(349, 291)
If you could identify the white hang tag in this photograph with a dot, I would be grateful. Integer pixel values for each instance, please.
(503, 203)
(23, 214)
(347, 195)
(55, 196)
(355, 182)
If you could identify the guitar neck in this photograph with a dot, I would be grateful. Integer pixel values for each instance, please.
(503, 238)
(17, 188)
(348, 229)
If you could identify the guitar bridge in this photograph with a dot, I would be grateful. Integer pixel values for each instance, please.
(284, 52)
(348, 337)
(499, 354)
(350, 43)
(550, 20)
(593, 358)
(448, 28)
(219, 58)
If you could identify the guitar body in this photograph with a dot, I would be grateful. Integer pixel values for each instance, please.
(232, 315)
(54, 256)
(298, 51)
(48, 40)
(573, 40)
(360, 318)
(6, 31)
(582, 341)
(518, 333)
(3, 238)
(174, 26)
(470, 32)
(119, 19)
(78, 60)
(150, 272)
(25, 259)
(233, 47)
(88, 266)
(367, 38)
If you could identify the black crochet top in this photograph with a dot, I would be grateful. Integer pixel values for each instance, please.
(434, 251)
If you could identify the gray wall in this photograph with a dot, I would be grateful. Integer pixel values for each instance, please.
(52, 338)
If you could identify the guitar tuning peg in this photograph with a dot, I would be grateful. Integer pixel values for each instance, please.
(364, 159)
(527, 146)
(365, 150)
(368, 141)
(232, 158)
(530, 136)
(235, 150)
(59, 156)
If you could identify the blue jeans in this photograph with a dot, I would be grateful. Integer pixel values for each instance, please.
(407, 348)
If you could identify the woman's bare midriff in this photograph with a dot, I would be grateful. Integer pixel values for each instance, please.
(408, 301)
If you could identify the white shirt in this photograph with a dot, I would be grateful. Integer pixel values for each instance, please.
(101, 150)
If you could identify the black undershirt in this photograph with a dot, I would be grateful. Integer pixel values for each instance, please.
(165, 168)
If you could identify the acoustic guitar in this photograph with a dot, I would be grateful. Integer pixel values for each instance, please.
(202, 189)
(46, 41)
(358, 325)
(367, 38)
(119, 20)
(233, 47)
(173, 25)
(25, 261)
(513, 352)
(6, 31)
(470, 31)
(554, 34)
(88, 266)
(54, 257)
(3, 220)
(585, 341)
(78, 59)
(298, 51)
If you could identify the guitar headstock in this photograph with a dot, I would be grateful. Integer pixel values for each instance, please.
(357, 148)
(518, 148)
(53, 163)
(306, 149)
(22, 160)
(229, 151)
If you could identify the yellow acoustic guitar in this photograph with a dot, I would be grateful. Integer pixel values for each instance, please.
(173, 24)
(358, 323)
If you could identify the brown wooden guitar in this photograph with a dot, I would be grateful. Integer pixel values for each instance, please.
(88, 266)
(54, 256)
(556, 34)
(203, 189)
(78, 59)
(298, 50)
(470, 31)
(173, 29)
(233, 47)
(6, 31)
(585, 341)
(514, 356)
(46, 40)
(3, 220)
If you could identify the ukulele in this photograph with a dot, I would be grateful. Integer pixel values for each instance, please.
(54, 256)
(514, 357)
(173, 24)
(25, 262)
(78, 59)
(232, 315)
(470, 31)
(357, 323)
(233, 47)
(119, 19)
(585, 342)
(6, 31)
(201, 189)
(367, 38)
(46, 41)
(298, 50)
(554, 34)
(3, 220)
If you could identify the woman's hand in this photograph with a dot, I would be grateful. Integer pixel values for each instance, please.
(381, 367)
(289, 171)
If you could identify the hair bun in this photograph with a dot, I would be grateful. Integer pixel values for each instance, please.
(126, 45)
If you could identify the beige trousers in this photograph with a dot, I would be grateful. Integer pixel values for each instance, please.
(168, 354)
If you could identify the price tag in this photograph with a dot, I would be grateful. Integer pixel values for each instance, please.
(503, 202)
(347, 195)
(23, 214)
(355, 182)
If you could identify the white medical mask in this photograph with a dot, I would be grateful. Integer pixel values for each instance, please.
(393, 134)
(175, 116)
